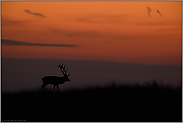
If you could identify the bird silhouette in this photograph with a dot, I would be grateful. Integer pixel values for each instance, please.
(159, 13)
(149, 10)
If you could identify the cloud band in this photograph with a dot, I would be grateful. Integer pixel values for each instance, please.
(19, 43)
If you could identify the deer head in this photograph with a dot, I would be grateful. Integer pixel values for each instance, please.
(64, 71)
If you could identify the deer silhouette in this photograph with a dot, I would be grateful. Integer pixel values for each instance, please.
(55, 80)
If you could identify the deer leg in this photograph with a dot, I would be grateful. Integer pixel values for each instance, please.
(54, 87)
(57, 87)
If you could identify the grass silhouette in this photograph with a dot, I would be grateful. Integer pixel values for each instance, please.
(147, 102)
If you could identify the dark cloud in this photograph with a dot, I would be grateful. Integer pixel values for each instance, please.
(72, 33)
(91, 34)
(37, 14)
(173, 28)
(9, 21)
(101, 18)
(19, 43)
(160, 23)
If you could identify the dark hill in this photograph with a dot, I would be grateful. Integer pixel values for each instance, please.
(124, 103)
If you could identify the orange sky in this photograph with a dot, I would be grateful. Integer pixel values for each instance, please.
(109, 31)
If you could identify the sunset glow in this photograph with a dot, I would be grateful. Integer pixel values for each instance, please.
(108, 31)
(91, 61)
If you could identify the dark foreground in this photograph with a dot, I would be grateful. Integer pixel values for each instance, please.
(113, 103)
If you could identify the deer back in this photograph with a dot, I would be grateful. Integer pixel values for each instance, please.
(55, 80)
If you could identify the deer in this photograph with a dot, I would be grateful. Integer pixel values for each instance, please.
(55, 80)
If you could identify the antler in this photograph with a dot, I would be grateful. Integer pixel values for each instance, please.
(63, 69)
(61, 66)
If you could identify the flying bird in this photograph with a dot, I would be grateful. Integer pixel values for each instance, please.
(159, 13)
(149, 10)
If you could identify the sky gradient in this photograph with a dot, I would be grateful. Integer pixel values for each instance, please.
(109, 31)
(142, 35)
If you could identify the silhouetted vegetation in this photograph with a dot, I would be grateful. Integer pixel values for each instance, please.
(112, 102)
